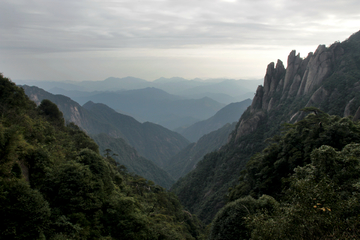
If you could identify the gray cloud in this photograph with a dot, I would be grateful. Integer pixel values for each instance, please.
(48, 26)
(74, 25)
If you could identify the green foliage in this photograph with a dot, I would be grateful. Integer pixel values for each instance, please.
(313, 170)
(204, 190)
(54, 184)
(51, 112)
(187, 159)
(12, 98)
(24, 212)
(81, 139)
(231, 221)
(322, 202)
(339, 91)
(268, 171)
(122, 153)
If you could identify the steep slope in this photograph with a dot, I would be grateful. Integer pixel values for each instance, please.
(186, 160)
(328, 79)
(228, 114)
(301, 186)
(126, 155)
(152, 141)
(73, 112)
(54, 184)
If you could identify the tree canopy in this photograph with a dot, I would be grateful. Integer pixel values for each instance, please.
(310, 176)
(54, 184)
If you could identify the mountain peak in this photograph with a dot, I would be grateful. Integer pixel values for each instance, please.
(301, 77)
(88, 105)
(327, 79)
(355, 37)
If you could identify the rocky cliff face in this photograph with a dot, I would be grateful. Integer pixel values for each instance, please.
(328, 79)
(302, 79)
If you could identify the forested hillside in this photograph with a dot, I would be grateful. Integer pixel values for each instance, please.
(186, 160)
(304, 185)
(54, 184)
(152, 141)
(328, 79)
(126, 155)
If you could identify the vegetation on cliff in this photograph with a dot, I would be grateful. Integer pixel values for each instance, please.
(54, 184)
(327, 79)
(304, 185)
(150, 140)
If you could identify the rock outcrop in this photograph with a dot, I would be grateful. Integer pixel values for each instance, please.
(327, 79)
(302, 80)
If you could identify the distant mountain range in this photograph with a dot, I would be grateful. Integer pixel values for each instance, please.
(172, 103)
(152, 141)
(186, 160)
(153, 105)
(221, 90)
(228, 114)
(134, 142)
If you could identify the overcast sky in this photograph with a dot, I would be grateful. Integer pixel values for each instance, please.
(95, 39)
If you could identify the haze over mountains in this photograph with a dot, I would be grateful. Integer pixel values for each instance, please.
(221, 90)
(96, 118)
(173, 103)
(228, 114)
(157, 106)
(133, 143)
(112, 130)
(292, 157)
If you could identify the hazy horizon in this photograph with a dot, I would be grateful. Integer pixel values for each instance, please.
(89, 40)
(215, 79)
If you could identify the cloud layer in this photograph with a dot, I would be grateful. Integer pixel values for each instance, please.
(56, 30)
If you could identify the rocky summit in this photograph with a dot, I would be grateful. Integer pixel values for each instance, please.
(328, 79)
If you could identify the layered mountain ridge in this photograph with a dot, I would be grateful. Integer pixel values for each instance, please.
(186, 160)
(328, 79)
(152, 105)
(228, 114)
(151, 141)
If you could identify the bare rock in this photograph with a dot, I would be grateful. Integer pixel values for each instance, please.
(271, 81)
(257, 100)
(319, 96)
(271, 104)
(294, 86)
(277, 76)
(319, 67)
(294, 62)
(347, 111)
(249, 125)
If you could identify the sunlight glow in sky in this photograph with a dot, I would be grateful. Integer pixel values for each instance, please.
(92, 39)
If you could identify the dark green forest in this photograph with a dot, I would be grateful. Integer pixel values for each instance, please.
(289, 170)
(54, 183)
(304, 185)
